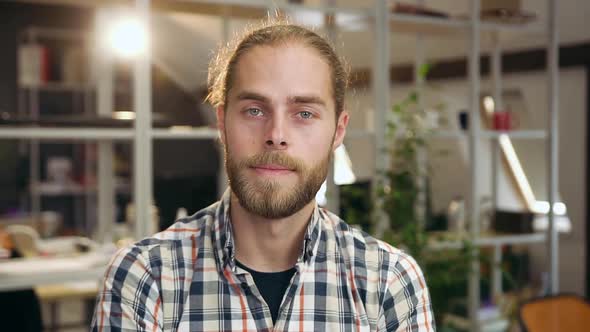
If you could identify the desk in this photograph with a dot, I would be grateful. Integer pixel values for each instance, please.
(56, 279)
(85, 291)
(26, 273)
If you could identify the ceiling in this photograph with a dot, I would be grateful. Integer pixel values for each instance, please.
(185, 40)
(199, 35)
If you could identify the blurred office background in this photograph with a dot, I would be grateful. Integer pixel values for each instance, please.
(73, 166)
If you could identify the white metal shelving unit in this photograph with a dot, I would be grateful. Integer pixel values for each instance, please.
(29, 104)
(471, 28)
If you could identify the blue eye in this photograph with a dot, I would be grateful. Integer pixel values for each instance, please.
(306, 115)
(254, 112)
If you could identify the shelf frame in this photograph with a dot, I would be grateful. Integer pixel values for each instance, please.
(473, 212)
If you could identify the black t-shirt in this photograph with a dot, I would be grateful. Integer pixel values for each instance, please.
(272, 286)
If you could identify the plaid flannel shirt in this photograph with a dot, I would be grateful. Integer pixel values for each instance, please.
(185, 279)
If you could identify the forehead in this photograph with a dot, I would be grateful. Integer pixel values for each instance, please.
(283, 69)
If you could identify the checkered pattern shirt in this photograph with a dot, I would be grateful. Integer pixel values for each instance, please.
(186, 279)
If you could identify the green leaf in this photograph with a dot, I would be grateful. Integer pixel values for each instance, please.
(424, 70)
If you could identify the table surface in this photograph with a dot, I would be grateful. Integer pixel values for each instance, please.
(25, 273)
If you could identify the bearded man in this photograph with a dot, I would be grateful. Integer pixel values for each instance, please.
(266, 257)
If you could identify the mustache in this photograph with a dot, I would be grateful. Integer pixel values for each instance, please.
(275, 158)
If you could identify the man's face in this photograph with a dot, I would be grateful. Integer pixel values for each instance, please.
(279, 128)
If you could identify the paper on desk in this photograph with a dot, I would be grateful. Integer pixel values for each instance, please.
(52, 264)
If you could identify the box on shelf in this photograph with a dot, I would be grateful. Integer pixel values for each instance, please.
(513, 5)
(33, 64)
(518, 222)
(402, 7)
(505, 11)
(72, 65)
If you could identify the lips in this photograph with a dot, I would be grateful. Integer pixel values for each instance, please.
(273, 163)
(272, 169)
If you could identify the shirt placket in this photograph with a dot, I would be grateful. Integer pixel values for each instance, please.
(251, 292)
(290, 295)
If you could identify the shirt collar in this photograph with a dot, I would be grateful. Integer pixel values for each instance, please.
(223, 234)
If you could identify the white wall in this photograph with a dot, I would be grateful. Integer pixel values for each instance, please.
(451, 175)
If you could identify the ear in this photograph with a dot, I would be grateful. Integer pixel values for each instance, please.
(340, 129)
(220, 111)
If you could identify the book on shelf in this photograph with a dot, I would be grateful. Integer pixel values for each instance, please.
(73, 67)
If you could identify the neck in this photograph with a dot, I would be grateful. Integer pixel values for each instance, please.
(268, 245)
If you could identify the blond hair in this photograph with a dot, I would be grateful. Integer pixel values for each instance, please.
(272, 33)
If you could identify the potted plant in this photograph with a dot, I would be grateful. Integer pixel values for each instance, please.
(446, 271)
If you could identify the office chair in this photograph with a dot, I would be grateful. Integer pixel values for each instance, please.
(564, 312)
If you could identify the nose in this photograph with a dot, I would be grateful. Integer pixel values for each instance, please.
(276, 133)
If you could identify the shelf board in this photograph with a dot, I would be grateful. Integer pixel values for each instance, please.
(448, 134)
(245, 9)
(65, 133)
(408, 23)
(58, 87)
(358, 133)
(349, 12)
(534, 27)
(513, 134)
(522, 134)
(96, 133)
(492, 240)
(258, 9)
(499, 240)
(51, 189)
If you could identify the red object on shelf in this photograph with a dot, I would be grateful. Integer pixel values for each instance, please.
(45, 73)
(504, 120)
(34, 67)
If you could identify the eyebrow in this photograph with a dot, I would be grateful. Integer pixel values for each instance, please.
(308, 99)
(247, 95)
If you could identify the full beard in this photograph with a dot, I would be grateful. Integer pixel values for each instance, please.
(268, 198)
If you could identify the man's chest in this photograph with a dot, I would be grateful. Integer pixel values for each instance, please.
(223, 306)
(316, 299)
